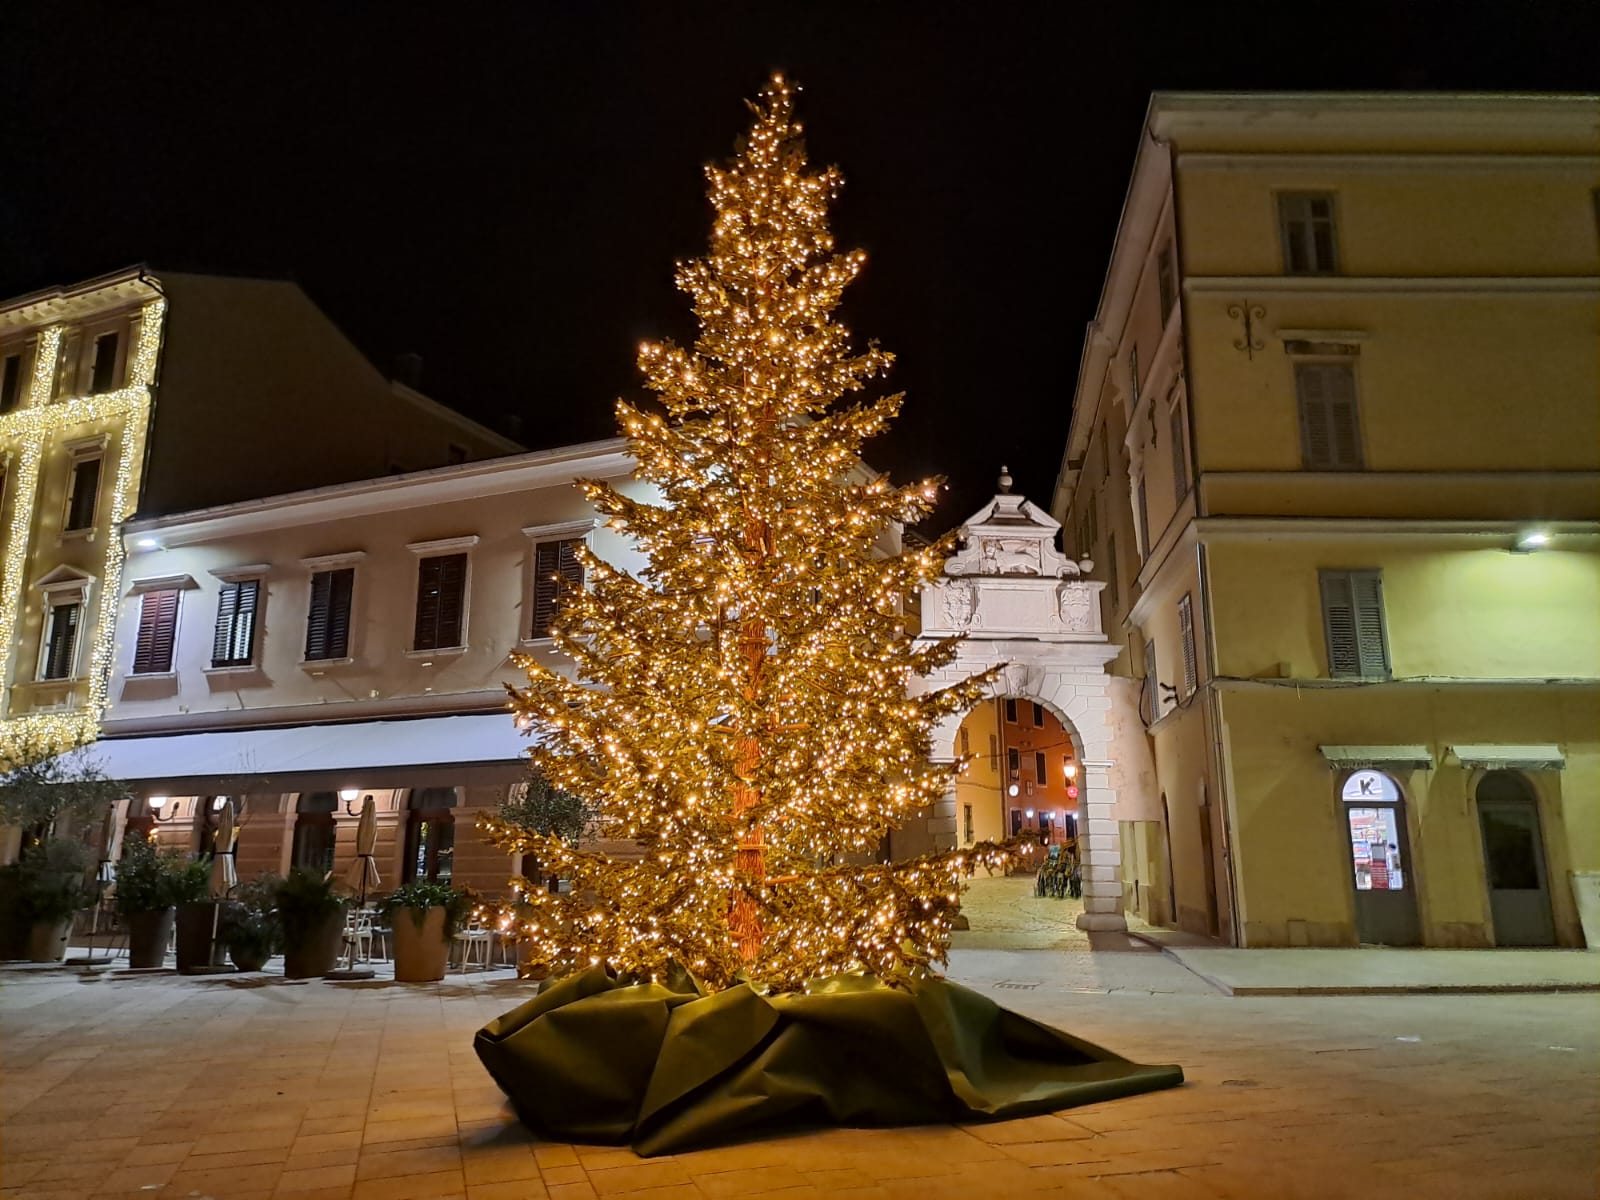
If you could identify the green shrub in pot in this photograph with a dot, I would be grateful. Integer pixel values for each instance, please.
(311, 918)
(151, 882)
(423, 916)
(249, 924)
(52, 885)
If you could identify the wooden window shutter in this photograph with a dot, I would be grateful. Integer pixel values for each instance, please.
(1330, 433)
(1372, 642)
(1151, 689)
(158, 626)
(233, 644)
(1191, 670)
(63, 640)
(441, 598)
(555, 570)
(1144, 521)
(1180, 457)
(1352, 618)
(328, 622)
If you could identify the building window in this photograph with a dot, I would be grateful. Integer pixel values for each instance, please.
(1011, 711)
(1352, 623)
(1113, 583)
(1105, 455)
(1142, 511)
(1330, 428)
(1306, 222)
(1013, 761)
(1151, 698)
(1040, 769)
(430, 835)
(103, 366)
(158, 628)
(994, 752)
(83, 495)
(1038, 716)
(315, 832)
(441, 601)
(61, 637)
(10, 381)
(234, 642)
(328, 620)
(1167, 282)
(1191, 670)
(966, 823)
(1133, 376)
(966, 743)
(555, 570)
(1180, 454)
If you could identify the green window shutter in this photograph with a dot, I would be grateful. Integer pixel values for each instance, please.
(1191, 671)
(1353, 624)
(1180, 457)
(1330, 428)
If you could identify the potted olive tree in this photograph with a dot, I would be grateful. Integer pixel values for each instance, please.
(543, 809)
(151, 882)
(311, 916)
(53, 884)
(424, 916)
(249, 923)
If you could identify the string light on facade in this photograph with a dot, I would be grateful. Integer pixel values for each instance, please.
(29, 430)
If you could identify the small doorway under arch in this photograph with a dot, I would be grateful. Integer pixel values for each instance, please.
(315, 832)
(1380, 860)
(1514, 865)
(430, 835)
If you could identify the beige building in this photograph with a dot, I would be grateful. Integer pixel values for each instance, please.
(294, 654)
(1335, 448)
(145, 392)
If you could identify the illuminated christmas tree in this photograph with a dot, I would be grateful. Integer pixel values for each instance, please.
(741, 706)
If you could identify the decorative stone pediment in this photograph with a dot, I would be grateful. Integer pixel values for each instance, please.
(1008, 578)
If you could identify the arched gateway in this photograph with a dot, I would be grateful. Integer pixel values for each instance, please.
(1023, 605)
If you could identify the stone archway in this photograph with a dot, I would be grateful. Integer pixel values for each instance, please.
(1026, 608)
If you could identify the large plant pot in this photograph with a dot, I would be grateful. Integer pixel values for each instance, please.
(317, 952)
(47, 940)
(148, 934)
(198, 948)
(420, 951)
(249, 958)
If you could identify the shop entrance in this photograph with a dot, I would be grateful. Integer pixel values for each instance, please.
(1513, 861)
(1380, 860)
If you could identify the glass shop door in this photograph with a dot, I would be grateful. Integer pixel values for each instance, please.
(1380, 858)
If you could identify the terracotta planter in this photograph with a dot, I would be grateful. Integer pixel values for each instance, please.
(47, 940)
(420, 952)
(198, 949)
(148, 934)
(318, 952)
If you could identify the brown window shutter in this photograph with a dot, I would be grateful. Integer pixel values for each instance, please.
(441, 600)
(158, 626)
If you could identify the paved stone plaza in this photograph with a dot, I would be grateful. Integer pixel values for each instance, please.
(247, 1087)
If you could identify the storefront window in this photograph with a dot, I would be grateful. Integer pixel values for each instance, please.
(1371, 807)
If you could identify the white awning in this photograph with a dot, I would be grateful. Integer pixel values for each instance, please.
(1394, 758)
(361, 752)
(1523, 758)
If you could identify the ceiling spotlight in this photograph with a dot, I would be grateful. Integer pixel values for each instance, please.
(1532, 539)
(147, 543)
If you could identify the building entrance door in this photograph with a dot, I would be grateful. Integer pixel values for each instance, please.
(1380, 858)
(1513, 862)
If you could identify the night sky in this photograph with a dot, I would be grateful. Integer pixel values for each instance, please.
(503, 188)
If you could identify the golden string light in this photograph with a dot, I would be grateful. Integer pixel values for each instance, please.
(30, 430)
(741, 708)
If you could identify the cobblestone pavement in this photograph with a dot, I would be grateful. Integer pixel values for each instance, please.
(241, 1088)
(1004, 914)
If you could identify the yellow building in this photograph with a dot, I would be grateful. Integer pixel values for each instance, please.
(980, 787)
(1336, 450)
(151, 393)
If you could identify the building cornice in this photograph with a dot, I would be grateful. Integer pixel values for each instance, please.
(1407, 162)
(441, 485)
(1222, 529)
(60, 304)
(1429, 285)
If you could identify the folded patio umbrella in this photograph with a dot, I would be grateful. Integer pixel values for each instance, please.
(224, 874)
(363, 876)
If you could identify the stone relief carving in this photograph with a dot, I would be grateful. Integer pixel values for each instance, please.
(1075, 603)
(960, 604)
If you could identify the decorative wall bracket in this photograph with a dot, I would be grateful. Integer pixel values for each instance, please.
(1247, 314)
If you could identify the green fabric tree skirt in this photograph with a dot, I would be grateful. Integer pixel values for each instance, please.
(591, 1060)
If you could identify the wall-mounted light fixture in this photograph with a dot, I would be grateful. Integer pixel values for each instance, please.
(156, 804)
(1530, 540)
